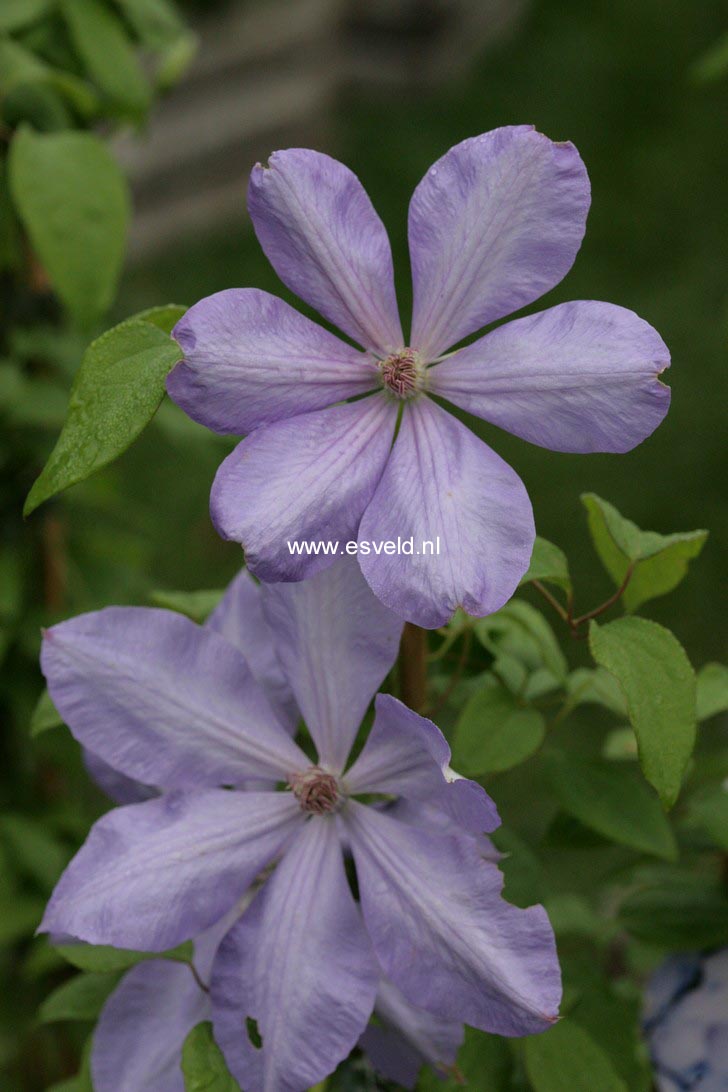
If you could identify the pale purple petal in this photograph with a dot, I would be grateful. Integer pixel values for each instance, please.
(336, 642)
(408, 1037)
(442, 932)
(493, 225)
(154, 874)
(163, 700)
(304, 480)
(444, 486)
(579, 377)
(240, 619)
(299, 964)
(117, 786)
(251, 359)
(407, 755)
(322, 236)
(138, 1041)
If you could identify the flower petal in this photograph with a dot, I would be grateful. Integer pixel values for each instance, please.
(493, 225)
(299, 964)
(117, 786)
(300, 481)
(163, 700)
(442, 932)
(408, 1037)
(239, 617)
(154, 874)
(251, 359)
(407, 755)
(336, 643)
(322, 236)
(138, 1040)
(444, 486)
(579, 377)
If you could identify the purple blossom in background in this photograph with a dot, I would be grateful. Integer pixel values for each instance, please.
(493, 225)
(174, 705)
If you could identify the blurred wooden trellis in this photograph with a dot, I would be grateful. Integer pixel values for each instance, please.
(267, 74)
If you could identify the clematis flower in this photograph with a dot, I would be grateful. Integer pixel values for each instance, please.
(493, 225)
(174, 705)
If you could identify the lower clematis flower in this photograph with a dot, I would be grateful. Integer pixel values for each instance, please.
(493, 225)
(175, 706)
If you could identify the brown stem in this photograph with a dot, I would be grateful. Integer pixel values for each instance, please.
(567, 613)
(551, 599)
(413, 666)
(456, 675)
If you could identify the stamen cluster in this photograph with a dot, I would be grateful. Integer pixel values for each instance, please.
(402, 373)
(316, 790)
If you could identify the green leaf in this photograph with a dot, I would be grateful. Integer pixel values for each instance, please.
(82, 998)
(484, 1061)
(566, 1058)
(45, 715)
(197, 605)
(108, 54)
(710, 811)
(203, 1065)
(519, 630)
(174, 61)
(620, 745)
(115, 394)
(681, 913)
(157, 22)
(20, 916)
(548, 564)
(612, 800)
(35, 852)
(587, 686)
(165, 317)
(16, 14)
(660, 561)
(658, 683)
(103, 958)
(712, 696)
(73, 201)
(495, 731)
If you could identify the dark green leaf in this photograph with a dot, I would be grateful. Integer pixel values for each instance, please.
(710, 811)
(108, 54)
(20, 916)
(82, 998)
(658, 683)
(682, 913)
(548, 564)
(117, 390)
(712, 694)
(519, 630)
(566, 1058)
(203, 1065)
(34, 851)
(612, 800)
(15, 14)
(74, 203)
(495, 732)
(484, 1061)
(45, 715)
(103, 958)
(660, 561)
(197, 605)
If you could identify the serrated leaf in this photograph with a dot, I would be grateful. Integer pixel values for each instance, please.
(197, 605)
(117, 390)
(495, 731)
(682, 913)
(519, 630)
(566, 1057)
(612, 801)
(658, 683)
(712, 695)
(74, 203)
(103, 958)
(548, 564)
(16, 14)
(45, 715)
(82, 998)
(660, 561)
(106, 50)
(203, 1065)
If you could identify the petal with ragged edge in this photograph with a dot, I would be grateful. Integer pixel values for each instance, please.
(493, 225)
(322, 236)
(300, 966)
(154, 874)
(163, 700)
(336, 643)
(407, 755)
(442, 932)
(301, 481)
(251, 359)
(442, 485)
(582, 376)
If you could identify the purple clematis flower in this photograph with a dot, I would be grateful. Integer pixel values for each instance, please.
(174, 705)
(493, 225)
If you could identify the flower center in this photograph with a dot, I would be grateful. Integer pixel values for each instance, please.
(403, 373)
(316, 790)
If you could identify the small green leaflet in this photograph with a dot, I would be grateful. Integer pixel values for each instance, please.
(203, 1065)
(115, 394)
(107, 51)
(521, 631)
(495, 731)
(683, 913)
(658, 683)
(45, 715)
(712, 697)
(103, 958)
(660, 561)
(197, 605)
(566, 1059)
(484, 1061)
(74, 203)
(15, 14)
(81, 998)
(548, 564)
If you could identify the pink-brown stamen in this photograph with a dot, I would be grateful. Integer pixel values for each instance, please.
(402, 373)
(316, 790)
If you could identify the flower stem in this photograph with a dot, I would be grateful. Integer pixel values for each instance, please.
(413, 666)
